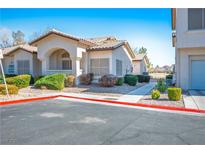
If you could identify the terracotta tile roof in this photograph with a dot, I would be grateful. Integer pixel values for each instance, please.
(107, 45)
(139, 56)
(25, 47)
(54, 31)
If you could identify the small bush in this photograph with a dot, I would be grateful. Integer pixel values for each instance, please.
(37, 78)
(54, 82)
(120, 81)
(161, 85)
(170, 76)
(12, 89)
(141, 78)
(155, 94)
(86, 78)
(174, 94)
(108, 80)
(146, 78)
(126, 77)
(132, 80)
(70, 81)
(21, 81)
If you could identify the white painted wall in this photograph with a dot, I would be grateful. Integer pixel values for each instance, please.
(122, 54)
(18, 55)
(185, 38)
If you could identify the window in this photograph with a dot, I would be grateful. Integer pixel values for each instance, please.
(23, 67)
(196, 19)
(66, 62)
(11, 68)
(118, 67)
(99, 66)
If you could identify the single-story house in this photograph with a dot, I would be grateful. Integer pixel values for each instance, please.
(140, 63)
(58, 52)
(188, 25)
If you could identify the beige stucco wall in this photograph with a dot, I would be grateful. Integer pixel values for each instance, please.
(54, 42)
(122, 54)
(21, 55)
(137, 67)
(183, 62)
(185, 38)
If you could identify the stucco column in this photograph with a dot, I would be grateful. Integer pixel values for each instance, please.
(78, 71)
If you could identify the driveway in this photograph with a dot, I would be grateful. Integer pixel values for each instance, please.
(58, 121)
(199, 98)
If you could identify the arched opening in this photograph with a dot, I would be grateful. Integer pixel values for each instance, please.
(60, 60)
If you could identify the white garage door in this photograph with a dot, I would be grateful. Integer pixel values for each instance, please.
(198, 74)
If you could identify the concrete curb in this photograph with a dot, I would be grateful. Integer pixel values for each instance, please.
(104, 101)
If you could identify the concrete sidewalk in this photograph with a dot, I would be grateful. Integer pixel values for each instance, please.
(195, 100)
(132, 97)
(135, 95)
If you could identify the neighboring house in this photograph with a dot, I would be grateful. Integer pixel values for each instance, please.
(189, 40)
(140, 63)
(57, 52)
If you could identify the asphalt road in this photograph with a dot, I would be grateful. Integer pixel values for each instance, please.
(64, 122)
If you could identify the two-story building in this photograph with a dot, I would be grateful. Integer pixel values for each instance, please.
(188, 36)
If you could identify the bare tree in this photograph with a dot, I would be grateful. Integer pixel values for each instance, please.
(18, 37)
(5, 38)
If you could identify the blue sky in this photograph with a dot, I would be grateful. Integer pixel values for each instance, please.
(150, 28)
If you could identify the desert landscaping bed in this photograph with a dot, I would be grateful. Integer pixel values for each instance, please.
(163, 101)
(94, 89)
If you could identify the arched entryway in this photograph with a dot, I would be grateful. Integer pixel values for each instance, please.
(60, 59)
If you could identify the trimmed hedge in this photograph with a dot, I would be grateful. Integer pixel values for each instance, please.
(120, 81)
(174, 94)
(21, 81)
(12, 89)
(132, 80)
(53, 82)
(155, 94)
(126, 77)
(143, 78)
(86, 78)
(170, 76)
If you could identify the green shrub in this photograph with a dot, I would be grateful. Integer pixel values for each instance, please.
(174, 94)
(12, 89)
(141, 78)
(161, 85)
(146, 78)
(37, 78)
(170, 76)
(126, 77)
(54, 82)
(21, 81)
(120, 81)
(70, 81)
(132, 80)
(155, 94)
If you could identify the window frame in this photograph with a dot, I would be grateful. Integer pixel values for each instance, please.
(99, 68)
(203, 20)
(117, 69)
(25, 65)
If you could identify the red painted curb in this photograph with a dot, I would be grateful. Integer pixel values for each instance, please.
(138, 104)
(104, 101)
(27, 100)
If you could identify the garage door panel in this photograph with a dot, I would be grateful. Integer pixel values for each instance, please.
(198, 74)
